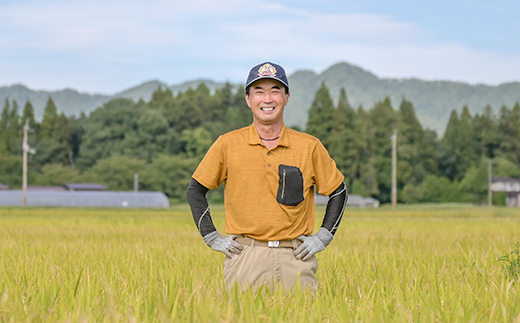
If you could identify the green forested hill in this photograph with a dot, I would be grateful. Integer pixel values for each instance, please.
(69, 101)
(433, 100)
(164, 137)
(72, 102)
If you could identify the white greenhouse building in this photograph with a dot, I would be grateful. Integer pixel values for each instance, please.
(83, 195)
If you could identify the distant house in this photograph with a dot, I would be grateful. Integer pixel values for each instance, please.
(353, 201)
(360, 201)
(511, 186)
(371, 202)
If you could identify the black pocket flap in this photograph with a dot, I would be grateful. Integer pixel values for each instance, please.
(290, 185)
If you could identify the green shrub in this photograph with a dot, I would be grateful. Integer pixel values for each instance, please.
(512, 262)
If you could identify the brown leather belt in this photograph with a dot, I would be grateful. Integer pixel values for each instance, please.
(245, 241)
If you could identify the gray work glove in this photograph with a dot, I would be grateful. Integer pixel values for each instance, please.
(226, 245)
(313, 244)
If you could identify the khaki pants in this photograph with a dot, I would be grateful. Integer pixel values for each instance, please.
(257, 266)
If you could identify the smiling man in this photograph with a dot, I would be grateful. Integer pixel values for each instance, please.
(270, 172)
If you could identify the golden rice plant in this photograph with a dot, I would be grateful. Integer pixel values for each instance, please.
(414, 264)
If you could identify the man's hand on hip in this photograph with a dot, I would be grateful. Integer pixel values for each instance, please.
(313, 244)
(226, 245)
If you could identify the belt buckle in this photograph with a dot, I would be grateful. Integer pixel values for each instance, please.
(273, 244)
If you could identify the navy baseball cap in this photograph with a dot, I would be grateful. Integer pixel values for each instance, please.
(267, 70)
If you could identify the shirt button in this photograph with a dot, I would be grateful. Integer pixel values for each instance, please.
(268, 165)
(268, 154)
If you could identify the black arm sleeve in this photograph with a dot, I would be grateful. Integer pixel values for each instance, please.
(335, 207)
(196, 195)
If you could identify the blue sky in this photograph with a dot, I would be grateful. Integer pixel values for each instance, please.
(108, 46)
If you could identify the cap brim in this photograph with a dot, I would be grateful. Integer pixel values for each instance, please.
(266, 77)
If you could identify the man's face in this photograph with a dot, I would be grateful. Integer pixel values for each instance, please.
(267, 99)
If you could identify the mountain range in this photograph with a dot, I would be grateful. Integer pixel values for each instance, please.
(433, 100)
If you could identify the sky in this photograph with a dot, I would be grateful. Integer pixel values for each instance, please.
(106, 47)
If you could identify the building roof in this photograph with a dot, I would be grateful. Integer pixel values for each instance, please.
(85, 187)
(47, 188)
(505, 180)
(86, 199)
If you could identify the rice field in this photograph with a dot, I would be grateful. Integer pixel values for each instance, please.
(413, 264)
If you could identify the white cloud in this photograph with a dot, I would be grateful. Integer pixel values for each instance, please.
(72, 43)
(70, 25)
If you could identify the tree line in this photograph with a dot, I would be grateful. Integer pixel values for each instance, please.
(164, 139)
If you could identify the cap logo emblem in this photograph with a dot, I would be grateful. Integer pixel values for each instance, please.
(267, 70)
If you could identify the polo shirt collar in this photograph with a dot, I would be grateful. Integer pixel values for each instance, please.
(254, 137)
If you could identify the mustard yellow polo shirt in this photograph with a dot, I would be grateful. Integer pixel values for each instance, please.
(269, 194)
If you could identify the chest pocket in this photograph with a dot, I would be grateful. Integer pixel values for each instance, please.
(290, 186)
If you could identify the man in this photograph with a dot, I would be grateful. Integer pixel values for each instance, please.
(270, 172)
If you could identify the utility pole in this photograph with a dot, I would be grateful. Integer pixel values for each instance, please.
(26, 149)
(394, 169)
(490, 180)
(136, 182)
